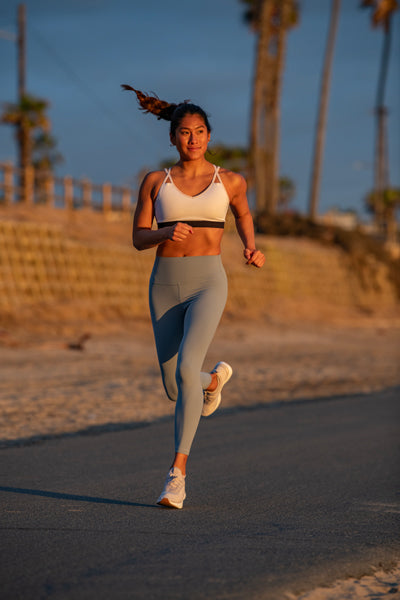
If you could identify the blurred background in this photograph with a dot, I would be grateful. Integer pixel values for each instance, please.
(79, 52)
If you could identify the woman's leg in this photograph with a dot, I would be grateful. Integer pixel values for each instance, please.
(187, 298)
(202, 316)
(183, 333)
(167, 316)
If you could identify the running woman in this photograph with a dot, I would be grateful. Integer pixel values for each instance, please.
(188, 284)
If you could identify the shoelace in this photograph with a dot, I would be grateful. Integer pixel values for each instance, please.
(173, 481)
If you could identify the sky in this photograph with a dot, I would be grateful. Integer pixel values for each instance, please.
(80, 51)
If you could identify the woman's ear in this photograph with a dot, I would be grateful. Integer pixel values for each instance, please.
(172, 139)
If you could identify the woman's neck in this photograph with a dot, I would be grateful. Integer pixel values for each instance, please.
(193, 168)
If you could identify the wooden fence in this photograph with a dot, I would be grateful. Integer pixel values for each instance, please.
(31, 187)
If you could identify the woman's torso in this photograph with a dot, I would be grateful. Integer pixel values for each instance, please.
(201, 199)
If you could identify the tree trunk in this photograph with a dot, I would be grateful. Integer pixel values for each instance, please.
(275, 112)
(257, 142)
(381, 168)
(265, 123)
(25, 152)
(322, 112)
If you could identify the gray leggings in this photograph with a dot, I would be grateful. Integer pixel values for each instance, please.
(187, 297)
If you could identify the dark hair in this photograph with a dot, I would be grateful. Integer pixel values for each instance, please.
(168, 111)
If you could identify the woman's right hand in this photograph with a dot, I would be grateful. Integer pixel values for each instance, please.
(179, 232)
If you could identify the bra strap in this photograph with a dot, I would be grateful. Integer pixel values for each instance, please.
(217, 175)
(168, 176)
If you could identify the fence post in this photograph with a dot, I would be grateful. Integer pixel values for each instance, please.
(86, 193)
(68, 193)
(8, 183)
(28, 185)
(49, 189)
(107, 197)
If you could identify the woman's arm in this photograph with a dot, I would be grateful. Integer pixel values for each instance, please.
(244, 220)
(143, 236)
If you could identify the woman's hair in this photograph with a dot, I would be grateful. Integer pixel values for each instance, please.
(168, 111)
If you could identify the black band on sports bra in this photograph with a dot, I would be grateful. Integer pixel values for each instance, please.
(214, 224)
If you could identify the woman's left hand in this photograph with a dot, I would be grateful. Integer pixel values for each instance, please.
(254, 257)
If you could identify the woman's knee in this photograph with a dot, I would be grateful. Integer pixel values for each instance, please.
(171, 388)
(187, 374)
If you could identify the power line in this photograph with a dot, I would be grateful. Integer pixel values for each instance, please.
(81, 83)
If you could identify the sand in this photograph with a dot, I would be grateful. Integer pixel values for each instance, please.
(381, 584)
(48, 389)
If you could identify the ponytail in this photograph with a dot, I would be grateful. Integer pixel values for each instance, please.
(153, 104)
(166, 110)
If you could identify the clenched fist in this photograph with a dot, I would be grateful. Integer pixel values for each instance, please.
(179, 232)
(254, 257)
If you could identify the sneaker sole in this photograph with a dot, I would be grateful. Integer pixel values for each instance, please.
(168, 504)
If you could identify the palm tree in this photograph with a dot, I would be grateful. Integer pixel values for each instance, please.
(322, 112)
(271, 20)
(28, 117)
(386, 205)
(382, 14)
(44, 153)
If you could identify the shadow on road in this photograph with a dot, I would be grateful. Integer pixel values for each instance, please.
(74, 497)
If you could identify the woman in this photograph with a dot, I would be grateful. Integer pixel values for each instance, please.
(188, 286)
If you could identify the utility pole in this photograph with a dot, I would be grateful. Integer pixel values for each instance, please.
(21, 41)
(23, 130)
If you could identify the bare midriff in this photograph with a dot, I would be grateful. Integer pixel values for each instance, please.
(204, 241)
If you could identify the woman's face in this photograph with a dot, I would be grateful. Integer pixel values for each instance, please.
(191, 137)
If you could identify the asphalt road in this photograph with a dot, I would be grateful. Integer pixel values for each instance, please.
(281, 498)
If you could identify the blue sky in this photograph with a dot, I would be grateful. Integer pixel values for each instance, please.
(80, 51)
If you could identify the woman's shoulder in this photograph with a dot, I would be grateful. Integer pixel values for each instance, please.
(234, 182)
(151, 184)
(154, 176)
(153, 179)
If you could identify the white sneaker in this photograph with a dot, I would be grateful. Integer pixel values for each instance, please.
(213, 399)
(173, 493)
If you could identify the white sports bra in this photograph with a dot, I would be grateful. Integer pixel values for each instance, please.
(207, 209)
